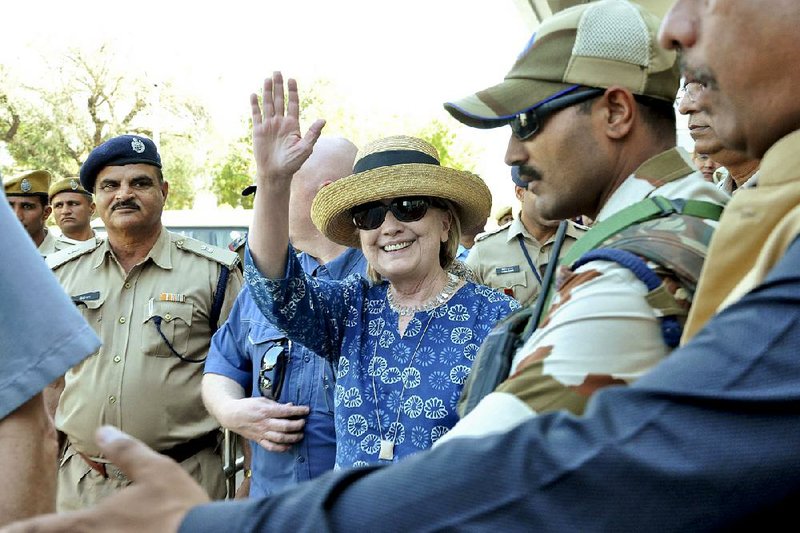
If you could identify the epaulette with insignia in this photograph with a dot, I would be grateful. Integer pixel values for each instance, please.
(238, 243)
(66, 255)
(485, 234)
(238, 246)
(209, 251)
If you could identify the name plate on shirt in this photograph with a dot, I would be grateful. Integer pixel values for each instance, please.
(86, 297)
(506, 270)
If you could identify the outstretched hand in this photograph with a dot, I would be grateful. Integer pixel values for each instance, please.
(278, 146)
(157, 501)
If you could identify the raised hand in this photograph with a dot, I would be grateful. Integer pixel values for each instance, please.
(278, 145)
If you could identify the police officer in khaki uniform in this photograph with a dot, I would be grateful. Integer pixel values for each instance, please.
(514, 257)
(73, 208)
(27, 196)
(154, 298)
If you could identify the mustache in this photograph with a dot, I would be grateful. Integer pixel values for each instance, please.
(528, 173)
(697, 73)
(127, 204)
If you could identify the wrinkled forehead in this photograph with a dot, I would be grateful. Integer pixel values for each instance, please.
(127, 172)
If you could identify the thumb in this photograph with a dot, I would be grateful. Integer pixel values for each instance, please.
(314, 132)
(131, 455)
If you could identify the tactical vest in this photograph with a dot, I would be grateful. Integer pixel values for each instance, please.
(651, 238)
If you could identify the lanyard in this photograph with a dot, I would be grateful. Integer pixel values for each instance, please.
(528, 257)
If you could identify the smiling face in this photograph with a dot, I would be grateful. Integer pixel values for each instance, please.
(73, 212)
(743, 52)
(407, 251)
(130, 198)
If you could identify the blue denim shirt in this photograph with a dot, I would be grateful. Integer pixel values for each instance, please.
(236, 352)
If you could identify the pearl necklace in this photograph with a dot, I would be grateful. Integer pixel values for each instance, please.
(433, 303)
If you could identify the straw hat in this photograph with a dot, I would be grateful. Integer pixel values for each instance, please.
(394, 167)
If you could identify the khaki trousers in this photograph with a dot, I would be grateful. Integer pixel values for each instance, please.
(80, 486)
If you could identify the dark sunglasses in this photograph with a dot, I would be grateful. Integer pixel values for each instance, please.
(408, 209)
(273, 370)
(526, 124)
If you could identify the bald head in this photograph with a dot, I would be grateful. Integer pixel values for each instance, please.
(332, 159)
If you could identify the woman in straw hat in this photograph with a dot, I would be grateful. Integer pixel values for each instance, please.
(404, 340)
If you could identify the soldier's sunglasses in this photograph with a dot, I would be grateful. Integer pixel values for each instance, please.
(407, 209)
(527, 124)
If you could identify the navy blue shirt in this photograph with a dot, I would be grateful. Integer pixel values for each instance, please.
(236, 352)
(706, 441)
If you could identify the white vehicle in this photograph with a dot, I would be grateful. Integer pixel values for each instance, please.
(216, 226)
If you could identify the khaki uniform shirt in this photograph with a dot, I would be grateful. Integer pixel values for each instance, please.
(756, 228)
(62, 241)
(135, 381)
(48, 245)
(498, 261)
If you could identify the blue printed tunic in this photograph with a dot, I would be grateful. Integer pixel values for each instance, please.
(401, 388)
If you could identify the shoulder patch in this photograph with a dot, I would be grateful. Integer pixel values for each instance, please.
(487, 234)
(66, 255)
(214, 253)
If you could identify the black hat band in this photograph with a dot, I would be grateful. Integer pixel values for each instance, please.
(390, 158)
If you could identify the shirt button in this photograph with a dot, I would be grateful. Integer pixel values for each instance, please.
(301, 459)
(127, 285)
(112, 399)
(117, 359)
(306, 359)
(122, 320)
(168, 317)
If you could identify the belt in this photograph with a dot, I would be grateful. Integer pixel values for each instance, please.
(178, 453)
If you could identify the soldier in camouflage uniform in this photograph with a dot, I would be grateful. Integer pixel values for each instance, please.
(594, 154)
(514, 257)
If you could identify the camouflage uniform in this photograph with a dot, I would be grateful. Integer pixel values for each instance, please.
(600, 329)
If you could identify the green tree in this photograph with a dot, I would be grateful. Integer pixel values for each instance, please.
(322, 99)
(234, 173)
(85, 98)
(452, 152)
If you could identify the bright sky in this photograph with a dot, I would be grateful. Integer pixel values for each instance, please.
(389, 58)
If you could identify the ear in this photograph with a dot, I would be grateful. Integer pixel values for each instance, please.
(447, 221)
(92, 207)
(165, 189)
(619, 112)
(46, 212)
(519, 192)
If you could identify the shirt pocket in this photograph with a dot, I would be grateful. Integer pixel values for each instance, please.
(90, 305)
(511, 280)
(91, 309)
(269, 363)
(166, 324)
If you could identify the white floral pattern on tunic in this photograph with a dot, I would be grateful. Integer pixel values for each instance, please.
(416, 387)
